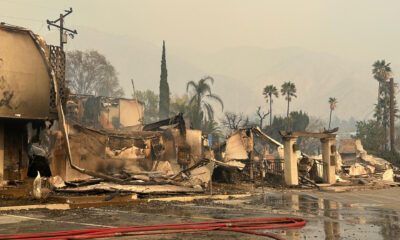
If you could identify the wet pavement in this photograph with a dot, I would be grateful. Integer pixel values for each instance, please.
(372, 214)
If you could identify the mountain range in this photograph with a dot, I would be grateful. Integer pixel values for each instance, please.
(241, 73)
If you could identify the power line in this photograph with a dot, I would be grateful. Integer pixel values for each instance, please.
(27, 3)
(22, 18)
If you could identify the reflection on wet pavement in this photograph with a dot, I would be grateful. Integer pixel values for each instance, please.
(352, 215)
(327, 219)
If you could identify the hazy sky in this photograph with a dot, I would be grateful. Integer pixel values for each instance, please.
(354, 29)
(357, 30)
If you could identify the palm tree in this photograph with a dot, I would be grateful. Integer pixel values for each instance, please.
(382, 72)
(332, 104)
(202, 91)
(269, 91)
(288, 89)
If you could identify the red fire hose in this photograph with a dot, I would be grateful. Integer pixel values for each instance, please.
(241, 225)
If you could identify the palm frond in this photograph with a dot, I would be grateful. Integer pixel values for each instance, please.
(216, 98)
(191, 84)
(192, 100)
(203, 89)
(210, 111)
(204, 79)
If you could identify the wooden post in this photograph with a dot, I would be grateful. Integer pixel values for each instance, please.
(137, 102)
(61, 31)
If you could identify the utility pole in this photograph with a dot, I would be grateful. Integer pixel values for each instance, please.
(137, 102)
(392, 141)
(63, 31)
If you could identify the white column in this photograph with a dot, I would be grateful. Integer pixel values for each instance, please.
(291, 171)
(329, 160)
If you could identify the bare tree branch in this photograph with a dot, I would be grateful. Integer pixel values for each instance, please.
(261, 115)
(234, 121)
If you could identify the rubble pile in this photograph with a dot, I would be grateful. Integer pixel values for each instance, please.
(311, 167)
(138, 161)
(192, 180)
(357, 163)
(247, 154)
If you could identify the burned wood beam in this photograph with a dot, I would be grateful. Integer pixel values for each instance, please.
(304, 181)
(306, 134)
(331, 130)
(258, 131)
(178, 119)
(200, 163)
(224, 164)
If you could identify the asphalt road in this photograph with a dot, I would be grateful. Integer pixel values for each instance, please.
(369, 214)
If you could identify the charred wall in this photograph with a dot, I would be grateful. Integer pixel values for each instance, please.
(104, 112)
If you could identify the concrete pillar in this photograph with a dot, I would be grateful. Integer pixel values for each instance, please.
(329, 160)
(1, 152)
(291, 172)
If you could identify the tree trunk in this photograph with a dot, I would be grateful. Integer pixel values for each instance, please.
(330, 117)
(385, 127)
(379, 94)
(287, 115)
(270, 109)
(379, 90)
(198, 121)
(392, 122)
(385, 115)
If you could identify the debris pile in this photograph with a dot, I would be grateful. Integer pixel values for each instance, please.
(247, 154)
(357, 164)
(164, 158)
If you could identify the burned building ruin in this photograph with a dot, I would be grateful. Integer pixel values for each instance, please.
(28, 101)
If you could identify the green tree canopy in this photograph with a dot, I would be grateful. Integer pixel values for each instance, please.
(200, 93)
(372, 135)
(150, 100)
(381, 71)
(332, 106)
(90, 73)
(164, 88)
(269, 92)
(289, 91)
(212, 127)
(298, 119)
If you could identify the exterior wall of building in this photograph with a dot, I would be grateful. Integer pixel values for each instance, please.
(104, 112)
(26, 95)
(235, 148)
(130, 112)
(173, 140)
(109, 118)
(101, 151)
(24, 79)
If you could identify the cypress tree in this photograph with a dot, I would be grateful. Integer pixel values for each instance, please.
(164, 88)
